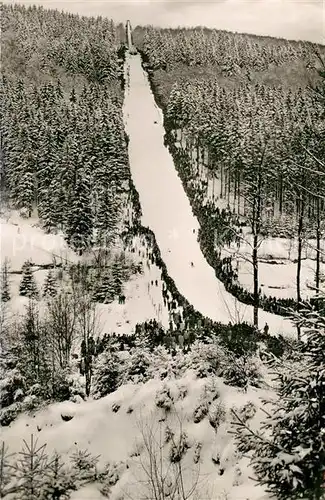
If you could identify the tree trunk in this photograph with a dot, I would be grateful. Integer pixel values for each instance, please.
(256, 226)
(318, 249)
(281, 194)
(221, 180)
(300, 230)
(255, 276)
(238, 194)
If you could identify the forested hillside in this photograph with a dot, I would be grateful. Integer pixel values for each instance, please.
(63, 144)
(166, 398)
(244, 117)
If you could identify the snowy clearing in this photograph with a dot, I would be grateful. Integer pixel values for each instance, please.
(23, 239)
(116, 436)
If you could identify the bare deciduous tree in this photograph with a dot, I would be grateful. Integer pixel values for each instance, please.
(160, 456)
(62, 312)
(88, 329)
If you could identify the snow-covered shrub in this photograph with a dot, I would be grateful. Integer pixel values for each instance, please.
(84, 466)
(137, 366)
(10, 386)
(206, 359)
(240, 340)
(241, 372)
(19, 395)
(109, 477)
(182, 391)
(169, 434)
(115, 407)
(175, 365)
(209, 394)
(179, 448)
(30, 469)
(6, 469)
(106, 374)
(247, 411)
(137, 449)
(200, 411)
(164, 399)
(9, 413)
(288, 453)
(197, 452)
(217, 414)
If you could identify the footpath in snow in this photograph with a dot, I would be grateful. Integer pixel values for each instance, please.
(167, 211)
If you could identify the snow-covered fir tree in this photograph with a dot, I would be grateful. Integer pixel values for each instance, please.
(50, 285)
(80, 224)
(28, 286)
(117, 272)
(26, 196)
(104, 290)
(288, 454)
(107, 216)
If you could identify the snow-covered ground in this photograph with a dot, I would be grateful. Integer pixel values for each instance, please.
(118, 436)
(279, 280)
(167, 211)
(277, 255)
(23, 239)
(277, 266)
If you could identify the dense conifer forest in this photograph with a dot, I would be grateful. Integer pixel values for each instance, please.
(244, 119)
(63, 143)
(196, 408)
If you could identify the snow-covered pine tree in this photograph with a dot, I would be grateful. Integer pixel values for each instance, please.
(288, 454)
(104, 291)
(29, 469)
(107, 216)
(5, 285)
(28, 286)
(5, 470)
(80, 225)
(117, 274)
(26, 193)
(50, 285)
(46, 173)
(57, 481)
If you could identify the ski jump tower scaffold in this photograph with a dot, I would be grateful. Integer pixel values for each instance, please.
(130, 45)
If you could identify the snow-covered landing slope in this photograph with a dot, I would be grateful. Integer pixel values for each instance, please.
(167, 211)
